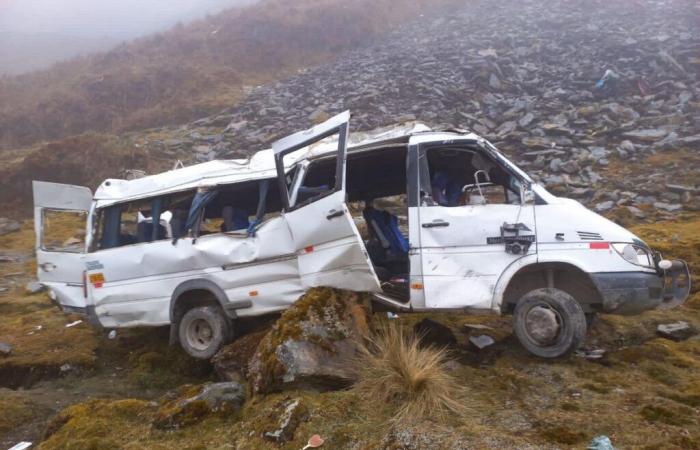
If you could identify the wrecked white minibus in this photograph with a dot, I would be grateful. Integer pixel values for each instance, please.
(424, 220)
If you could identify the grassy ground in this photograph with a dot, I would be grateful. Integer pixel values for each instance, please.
(644, 393)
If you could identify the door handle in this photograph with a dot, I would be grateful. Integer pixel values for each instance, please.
(47, 266)
(332, 214)
(436, 223)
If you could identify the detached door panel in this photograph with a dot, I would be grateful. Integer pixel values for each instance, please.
(329, 247)
(60, 216)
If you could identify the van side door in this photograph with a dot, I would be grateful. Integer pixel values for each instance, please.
(60, 224)
(473, 223)
(329, 248)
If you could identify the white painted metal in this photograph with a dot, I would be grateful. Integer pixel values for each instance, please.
(451, 267)
(60, 271)
(460, 268)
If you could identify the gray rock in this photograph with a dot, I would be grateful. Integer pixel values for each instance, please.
(8, 226)
(676, 331)
(293, 413)
(494, 82)
(34, 287)
(649, 135)
(189, 405)
(482, 341)
(670, 207)
(604, 206)
(526, 120)
(329, 327)
(5, 349)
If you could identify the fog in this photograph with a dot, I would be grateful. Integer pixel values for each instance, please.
(36, 33)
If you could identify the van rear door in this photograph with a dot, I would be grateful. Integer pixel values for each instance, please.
(60, 218)
(329, 247)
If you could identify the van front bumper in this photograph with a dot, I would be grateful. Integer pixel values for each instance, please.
(634, 292)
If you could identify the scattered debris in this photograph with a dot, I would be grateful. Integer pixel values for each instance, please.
(591, 354)
(112, 334)
(315, 441)
(5, 349)
(676, 331)
(72, 324)
(482, 341)
(601, 443)
(21, 446)
(477, 326)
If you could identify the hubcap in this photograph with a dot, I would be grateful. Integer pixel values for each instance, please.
(542, 324)
(199, 334)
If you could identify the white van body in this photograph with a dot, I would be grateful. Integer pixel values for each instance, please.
(475, 255)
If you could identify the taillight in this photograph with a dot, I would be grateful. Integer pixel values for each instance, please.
(85, 283)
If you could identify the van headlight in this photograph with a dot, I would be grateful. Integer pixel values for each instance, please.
(635, 254)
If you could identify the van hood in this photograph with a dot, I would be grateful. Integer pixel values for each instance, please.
(577, 223)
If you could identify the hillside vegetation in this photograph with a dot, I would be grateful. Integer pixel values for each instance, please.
(189, 71)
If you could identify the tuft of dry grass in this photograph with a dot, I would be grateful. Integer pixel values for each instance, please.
(394, 370)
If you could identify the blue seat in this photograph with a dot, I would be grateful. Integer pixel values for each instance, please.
(385, 227)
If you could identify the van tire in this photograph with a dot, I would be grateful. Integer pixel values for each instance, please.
(203, 331)
(549, 323)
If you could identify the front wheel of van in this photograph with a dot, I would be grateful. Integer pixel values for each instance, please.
(203, 330)
(549, 323)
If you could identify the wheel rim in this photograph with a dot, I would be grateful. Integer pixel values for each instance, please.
(199, 334)
(543, 324)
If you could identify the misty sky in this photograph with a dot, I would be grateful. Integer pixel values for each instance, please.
(120, 19)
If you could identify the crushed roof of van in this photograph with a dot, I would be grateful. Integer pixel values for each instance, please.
(260, 165)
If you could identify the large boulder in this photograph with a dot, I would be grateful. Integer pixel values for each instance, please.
(190, 404)
(313, 344)
(231, 362)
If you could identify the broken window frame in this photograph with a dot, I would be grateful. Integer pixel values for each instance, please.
(476, 146)
(42, 233)
(338, 125)
(99, 222)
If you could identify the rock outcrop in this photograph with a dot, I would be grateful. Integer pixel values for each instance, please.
(191, 404)
(313, 344)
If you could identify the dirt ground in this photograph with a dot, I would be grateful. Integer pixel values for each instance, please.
(644, 392)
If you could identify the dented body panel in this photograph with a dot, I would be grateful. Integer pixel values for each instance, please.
(459, 256)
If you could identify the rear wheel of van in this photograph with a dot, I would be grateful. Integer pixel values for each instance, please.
(549, 322)
(203, 330)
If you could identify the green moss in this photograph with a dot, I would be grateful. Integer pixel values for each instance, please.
(657, 413)
(568, 406)
(562, 434)
(599, 388)
(322, 305)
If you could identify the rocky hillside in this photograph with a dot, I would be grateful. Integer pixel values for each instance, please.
(192, 70)
(527, 82)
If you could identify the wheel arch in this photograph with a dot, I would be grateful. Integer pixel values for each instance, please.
(562, 275)
(188, 293)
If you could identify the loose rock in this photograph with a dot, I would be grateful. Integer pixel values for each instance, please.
(677, 331)
(190, 404)
(313, 344)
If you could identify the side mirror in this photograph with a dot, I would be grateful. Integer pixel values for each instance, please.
(526, 196)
